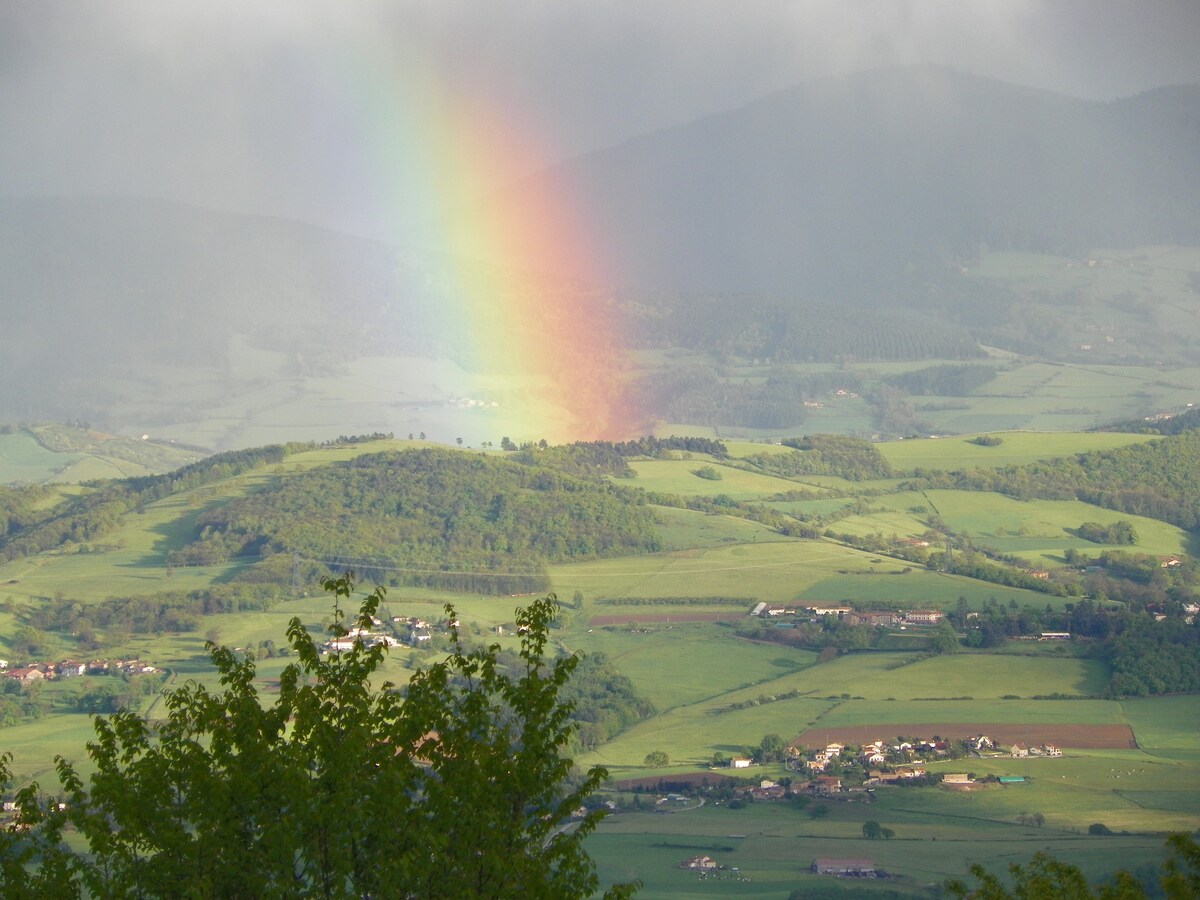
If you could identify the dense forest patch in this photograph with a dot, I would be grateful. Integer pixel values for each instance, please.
(427, 517)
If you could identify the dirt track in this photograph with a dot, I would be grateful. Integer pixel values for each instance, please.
(1083, 737)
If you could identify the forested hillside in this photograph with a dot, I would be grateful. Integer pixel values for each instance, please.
(428, 517)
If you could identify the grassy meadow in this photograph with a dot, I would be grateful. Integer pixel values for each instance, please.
(1017, 448)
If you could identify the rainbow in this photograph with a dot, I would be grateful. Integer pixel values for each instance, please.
(526, 306)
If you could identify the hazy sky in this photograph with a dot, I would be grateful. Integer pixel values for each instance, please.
(267, 105)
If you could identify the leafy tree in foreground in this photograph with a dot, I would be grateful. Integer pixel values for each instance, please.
(340, 788)
(1046, 878)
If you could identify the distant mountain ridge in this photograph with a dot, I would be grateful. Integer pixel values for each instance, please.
(875, 192)
(836, 185)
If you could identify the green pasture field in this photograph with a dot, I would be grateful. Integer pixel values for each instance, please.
(61, 454)
(1123, 789)
(1038, 528)
(885, 519)
(1166, 726)
(918, 588)
(900, 712)
(676, 477)
(810, 507)
(24, 461)
(773, 846)
(683, 529)
(957, 453)
(691, 734)
(1034, 529)
(983, 676)
(742, 449)
(35, 745)
(704, 661)
(778, 572)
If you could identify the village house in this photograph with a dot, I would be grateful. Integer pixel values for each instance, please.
(739, 762)
(872, 754)
(825, 784)
(1019, 751)
(26, 674)
(1051, 750)
(924, 616)
(699, 862)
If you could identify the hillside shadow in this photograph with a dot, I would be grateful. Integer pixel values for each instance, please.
(1191, 546)
(174, 534)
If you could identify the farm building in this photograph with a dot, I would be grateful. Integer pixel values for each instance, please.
(924, 616)
(861, 868)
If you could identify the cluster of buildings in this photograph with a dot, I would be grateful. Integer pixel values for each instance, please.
(412, 631)
(70, 668)
(852, 616)
(368, 637)
(891, 762)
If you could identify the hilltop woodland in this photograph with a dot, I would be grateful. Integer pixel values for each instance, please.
(335, 789)
(428, 517)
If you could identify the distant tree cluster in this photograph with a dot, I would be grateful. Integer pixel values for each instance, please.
(948, 380)
(594, 459)
(164, 611)
(1114, 533)
(826, 454)
(1186, 421)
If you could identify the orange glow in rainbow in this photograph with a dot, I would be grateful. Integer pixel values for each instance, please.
(514, 312)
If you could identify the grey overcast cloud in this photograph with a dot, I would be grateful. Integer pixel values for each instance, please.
(250, 107)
